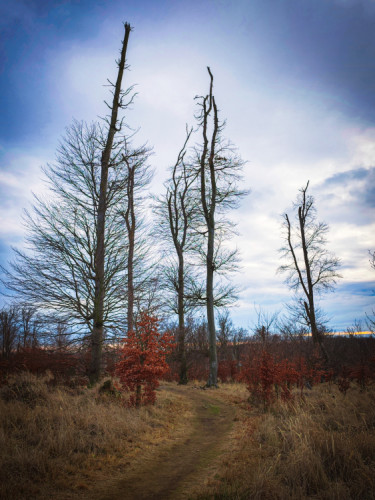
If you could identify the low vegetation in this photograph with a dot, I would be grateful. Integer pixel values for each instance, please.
(55, 436)
(296, 428)
(321, 446)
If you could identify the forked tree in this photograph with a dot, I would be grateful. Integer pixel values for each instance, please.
(218, 170)
(176, 211)
(138, 177)
(310, 267)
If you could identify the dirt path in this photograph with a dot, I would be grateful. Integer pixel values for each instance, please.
(171, 472)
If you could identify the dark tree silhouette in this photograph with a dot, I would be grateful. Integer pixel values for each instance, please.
(218, 170)
(77, 262)
(310, 267)
(114, 126)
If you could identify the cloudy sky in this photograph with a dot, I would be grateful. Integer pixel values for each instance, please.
(295, 80)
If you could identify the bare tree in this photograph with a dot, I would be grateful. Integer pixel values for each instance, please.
(310, 267)
(225, 324)
(30, 326)
(57, 271)
(176, 212)
(265, 324)
(77, 262)
(218, 168)
(114, 126)
(138, 177)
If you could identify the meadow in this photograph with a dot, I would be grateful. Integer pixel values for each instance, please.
(66, 440)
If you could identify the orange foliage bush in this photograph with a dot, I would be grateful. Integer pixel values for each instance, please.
(142, 360)
(267, 379)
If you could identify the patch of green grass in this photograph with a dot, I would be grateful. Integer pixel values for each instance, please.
(214, 410)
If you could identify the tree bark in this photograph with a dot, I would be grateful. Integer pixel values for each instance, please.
(212, 377)
(181, 321)
(97, 335)
(130, 227)
(208, 156)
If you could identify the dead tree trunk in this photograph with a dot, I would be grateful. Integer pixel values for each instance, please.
(98, 314)
(309, 306)
(208, 175)
(130, 227)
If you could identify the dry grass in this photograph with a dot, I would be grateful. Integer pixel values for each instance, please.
(53, 438)
(56, 442)
(323, 447)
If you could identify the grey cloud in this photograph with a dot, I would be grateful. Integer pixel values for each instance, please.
(359, 184)
(344, 177)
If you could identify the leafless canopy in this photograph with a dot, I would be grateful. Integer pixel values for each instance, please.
(57, 271)
(309, 266)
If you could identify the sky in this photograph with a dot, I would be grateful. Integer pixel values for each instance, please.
(294, 79)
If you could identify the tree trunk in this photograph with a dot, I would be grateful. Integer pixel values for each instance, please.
(98, 313)
(181, 321)
(212, 377)
(130, 227)
(310, 307)
(208, 159)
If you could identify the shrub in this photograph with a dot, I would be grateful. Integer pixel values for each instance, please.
(267, 379)
(142, 360)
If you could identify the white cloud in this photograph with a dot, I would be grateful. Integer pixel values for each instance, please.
(288, 135)
(20, 176)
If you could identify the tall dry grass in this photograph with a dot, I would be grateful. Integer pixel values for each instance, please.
(54, 438)
(322, 447)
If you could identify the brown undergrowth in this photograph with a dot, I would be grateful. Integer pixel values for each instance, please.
(322, 446)
(54, 438)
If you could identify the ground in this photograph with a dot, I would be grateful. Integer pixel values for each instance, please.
(174, 469)
(198, 444)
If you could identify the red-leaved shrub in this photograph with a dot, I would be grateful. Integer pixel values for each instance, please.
(267, 379)
(142, 360)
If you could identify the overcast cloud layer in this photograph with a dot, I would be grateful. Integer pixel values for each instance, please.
(294, 79)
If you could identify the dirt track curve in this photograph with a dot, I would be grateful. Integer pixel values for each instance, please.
(172, 472)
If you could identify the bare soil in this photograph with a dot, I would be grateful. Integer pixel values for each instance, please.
(175, 470)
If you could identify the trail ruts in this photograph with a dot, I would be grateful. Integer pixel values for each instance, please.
(173, 471)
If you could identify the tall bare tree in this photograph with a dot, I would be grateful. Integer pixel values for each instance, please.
(218, 169)
(310, 267)
(176, 212)
(138, 177)
(114, 126)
